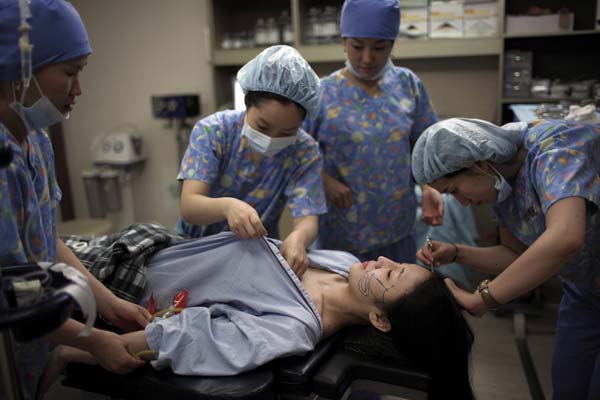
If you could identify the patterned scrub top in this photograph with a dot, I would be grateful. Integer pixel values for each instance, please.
(563, 160)
(29, 196)
(366, 143)
(219, 156)
(27, 209)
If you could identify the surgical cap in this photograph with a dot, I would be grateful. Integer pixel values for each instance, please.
(57, 34)
(283, 71)
(453, 144)
(373, 19)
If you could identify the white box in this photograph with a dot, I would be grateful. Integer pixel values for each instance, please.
(446, 10)
(481, 27)
(481, 10)
(414, 22)
(531, 24)
(450, 28)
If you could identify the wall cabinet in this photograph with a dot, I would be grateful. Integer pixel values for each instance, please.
(568, 55)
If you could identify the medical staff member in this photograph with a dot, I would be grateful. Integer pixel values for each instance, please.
(29, 194)
(372, 114)
(241, 168)
(544, 181)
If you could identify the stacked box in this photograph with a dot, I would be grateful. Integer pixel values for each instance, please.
(446, 19)
(414, 21)
(481, 19)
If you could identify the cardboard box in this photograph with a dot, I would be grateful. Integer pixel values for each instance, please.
(532, 24)
(414, 22)
(450, 28)
(446, 10)
(412, 4)
(481, 27)
(481, 10)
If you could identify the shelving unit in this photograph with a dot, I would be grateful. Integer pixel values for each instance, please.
(555, 54)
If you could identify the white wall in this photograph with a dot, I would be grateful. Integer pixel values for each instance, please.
(140, 48)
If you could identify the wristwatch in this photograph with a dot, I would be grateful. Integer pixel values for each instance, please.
(487, 297)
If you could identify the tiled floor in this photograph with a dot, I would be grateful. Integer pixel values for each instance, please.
(496, 368)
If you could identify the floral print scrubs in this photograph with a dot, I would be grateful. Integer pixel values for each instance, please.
(219, 156)
(563, 160)
(366, 143)
(28, 233)
(29, 195)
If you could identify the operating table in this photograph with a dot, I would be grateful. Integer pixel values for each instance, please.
(326, 372)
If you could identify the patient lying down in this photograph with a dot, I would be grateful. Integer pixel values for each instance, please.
(246, 307)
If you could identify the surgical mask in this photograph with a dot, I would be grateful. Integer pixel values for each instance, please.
(500, 184)
(378, 75)
(40, 115)
(264, 144)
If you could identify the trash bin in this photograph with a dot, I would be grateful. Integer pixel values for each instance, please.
(111, 186)
(94, 193)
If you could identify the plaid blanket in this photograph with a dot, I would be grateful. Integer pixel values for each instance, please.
(119, 260)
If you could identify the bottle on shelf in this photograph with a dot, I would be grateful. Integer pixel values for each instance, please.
(313, 26)
(330, 28)
(272, 32)
(286, 30)
(260, 33)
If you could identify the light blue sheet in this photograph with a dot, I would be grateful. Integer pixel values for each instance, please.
(246, 306)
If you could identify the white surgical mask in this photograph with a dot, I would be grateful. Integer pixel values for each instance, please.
(500, 184)
(264, 144)
(40, 115)
(378, 75)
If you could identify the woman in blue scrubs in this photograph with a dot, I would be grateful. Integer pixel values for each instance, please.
(544, 181)
(29, 193)
(243, 167)
(372, 114)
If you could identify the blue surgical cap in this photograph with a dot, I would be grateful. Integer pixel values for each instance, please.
(373, 19)
(283, 71)
(453, 144)
(57, 34)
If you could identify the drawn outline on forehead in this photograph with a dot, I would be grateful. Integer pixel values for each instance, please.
(364, 285)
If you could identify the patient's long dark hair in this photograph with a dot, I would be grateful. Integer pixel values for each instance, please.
(429, 329)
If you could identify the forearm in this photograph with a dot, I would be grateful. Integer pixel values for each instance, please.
(542, 260)
(201, 210)
(101, 292)
(489, 260)
(305, 229)
(67, 334)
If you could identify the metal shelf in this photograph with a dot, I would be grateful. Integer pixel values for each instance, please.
(544, 35)
(403, 49)
(534, 100)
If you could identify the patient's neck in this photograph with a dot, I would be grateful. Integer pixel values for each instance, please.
(331, 295)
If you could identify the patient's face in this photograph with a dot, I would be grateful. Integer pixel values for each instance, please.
(384, 281)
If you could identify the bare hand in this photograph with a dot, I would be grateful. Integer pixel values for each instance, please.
(294, 253)
(338, 193)
(244, 221)
(443, 253)
(471, 302)
(113, 353)
(126, 315)
(432, 206)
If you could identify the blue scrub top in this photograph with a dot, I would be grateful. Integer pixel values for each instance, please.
(27, 209)
(366, 143)
(563, 160)
(219, 156)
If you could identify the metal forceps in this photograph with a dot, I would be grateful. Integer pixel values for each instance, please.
(429, 243)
